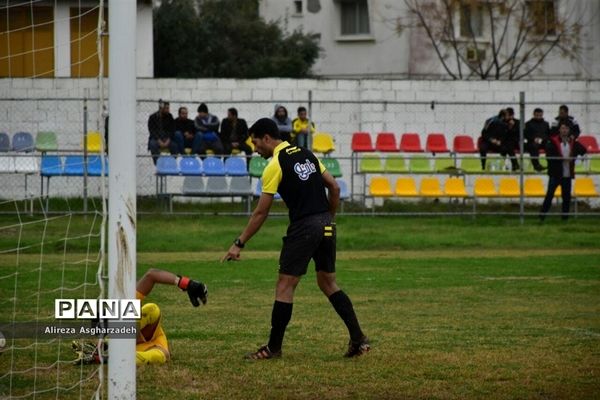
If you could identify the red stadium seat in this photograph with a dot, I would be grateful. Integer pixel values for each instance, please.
(590, 143)
(464, 144)
(410, 143)
(361, 142)
(436, 143)
(386, 141)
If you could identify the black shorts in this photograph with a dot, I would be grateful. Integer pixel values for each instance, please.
(311, 237)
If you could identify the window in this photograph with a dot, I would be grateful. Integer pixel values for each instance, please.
(471, 20)
(298, 6)
(543, 17)
(355, 17)
(26, 42)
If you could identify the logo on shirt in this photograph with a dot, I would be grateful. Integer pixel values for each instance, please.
(304, 170)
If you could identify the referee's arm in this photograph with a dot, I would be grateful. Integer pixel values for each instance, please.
(334, 192)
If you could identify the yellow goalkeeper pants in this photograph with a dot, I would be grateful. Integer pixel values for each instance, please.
(156, 349)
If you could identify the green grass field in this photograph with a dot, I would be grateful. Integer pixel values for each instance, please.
(455, 308)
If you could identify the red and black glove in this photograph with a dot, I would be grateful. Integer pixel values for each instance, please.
(197, 291)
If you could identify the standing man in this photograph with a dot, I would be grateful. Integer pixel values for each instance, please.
(537, 132)
(300, 179)
(561, 151)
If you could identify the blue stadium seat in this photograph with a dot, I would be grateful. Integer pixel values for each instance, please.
(344, 193)
(213, 166)
(95, 166)
(51, 166)
(23, 141)
(4, 142)
(73, 166)
(167, 165)
(190, 166)
(236, 166)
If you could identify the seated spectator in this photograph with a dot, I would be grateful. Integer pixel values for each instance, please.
(300, 129)
(208, 127)
(161, 127)
(537, 132)
(284, 123)
(185, 132)
(563, 116)
(561, 151)
(494, 137)
(234, 132)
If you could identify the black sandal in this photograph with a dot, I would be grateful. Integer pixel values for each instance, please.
(263, 353)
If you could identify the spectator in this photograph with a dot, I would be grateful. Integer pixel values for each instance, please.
(284, 123)
(494, 137)
(300, 129)
(185, 132)
(513, 136)
(161, 127)
(561, 151)
(537, 132)
(563, 115)
(208, 126)
(234, 132)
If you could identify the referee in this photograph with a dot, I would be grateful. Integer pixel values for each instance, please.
(300, 179)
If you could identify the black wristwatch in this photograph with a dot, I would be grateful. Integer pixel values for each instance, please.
(239, 243)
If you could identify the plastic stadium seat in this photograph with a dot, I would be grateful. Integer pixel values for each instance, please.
(380, 187)
(46, 141)
(395, 164)
(193, 185)
(496, 164)
(419, 164)
(406, 187)
(51, 166)
(509, 187)
(470, 164)
(411, 143)
(455, 187)
(430, 187)
(361, 142)
(436, 143)
(190, 165)
(213, 166)
(484, 187)
(444, 164)
(95, 166)
(533, 187)
(26, 164)
(23, 142)
(217, 184)
(94, 142)
(558, 191)
(240, 185)
(464, 144)
(73, 166)
(386, 142)
(370, 163)
(236, 166)
(258, 191)
(167, 165)
(4, 142)
(584, 187)
(257, 166)
(595, 164)
(7, 165)
(322, 143)
(590, 143)
(344, 193)
(333, 166)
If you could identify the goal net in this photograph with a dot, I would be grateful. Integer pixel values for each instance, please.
(53, 180)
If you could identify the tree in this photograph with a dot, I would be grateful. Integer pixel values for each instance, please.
(227, 39)
(519, 35)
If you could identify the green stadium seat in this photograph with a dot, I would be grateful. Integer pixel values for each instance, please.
(471, 165)
(46, 141)
(370, 163)
(333, 166)
(419, 164)
(595, 164)
(257, 166)
(444, 164)
(395, 164)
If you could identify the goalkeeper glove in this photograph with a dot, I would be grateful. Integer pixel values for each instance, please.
(195, 290)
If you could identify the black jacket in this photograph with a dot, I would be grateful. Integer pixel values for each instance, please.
(573, 125)
(535, 128)
(161, 127)
(210, 123)
(496, 128)
(230, 133)
(555, 157)
(184, 125)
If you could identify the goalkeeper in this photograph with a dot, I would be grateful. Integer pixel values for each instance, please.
(152, 346)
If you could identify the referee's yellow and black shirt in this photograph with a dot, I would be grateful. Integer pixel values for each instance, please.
(296, 174)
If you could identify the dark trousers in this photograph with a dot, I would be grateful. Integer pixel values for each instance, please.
(534, 151)
(210, 141)
(565, 184)
(183, 142)
(506, 149)
(242, 147)
(155, 148)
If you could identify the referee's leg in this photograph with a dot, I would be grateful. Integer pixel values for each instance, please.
(282, 309)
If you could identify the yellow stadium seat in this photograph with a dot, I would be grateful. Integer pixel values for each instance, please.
(430, 187)
(380, 187)
(406, 187)
(455, 187)
(509, 187)
(94, 142)
(533, 187)
(558, 191)
(584, 187)
(323, 143)
(484, 187)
